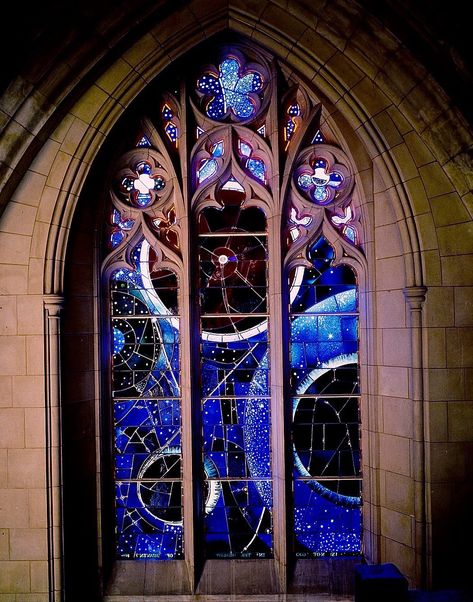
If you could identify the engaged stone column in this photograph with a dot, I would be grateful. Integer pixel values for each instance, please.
(415, 297)
(53, 305)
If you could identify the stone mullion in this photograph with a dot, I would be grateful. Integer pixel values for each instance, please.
(187, 346)
(53, 305)
(187, 410)
(277, 348)
(278, 430)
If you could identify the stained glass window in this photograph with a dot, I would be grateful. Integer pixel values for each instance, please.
(292, 112)
(325, 398)
(202, 230)
(235, 392)
(146, 408)
(231, 88)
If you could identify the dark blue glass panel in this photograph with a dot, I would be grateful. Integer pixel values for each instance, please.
(146, 408)
(238, 519)
(149, 520)
(312, 298)
(257, 168)
(324, 288)
(236, 437)
(326, 381)
(235, 411)
(325, 427)
(234, 380)
(235, 368)
(326, 439)
(233, 274)
(147, 439)
(133, 295)
(146, 358)
(327, 521)
(232, 218)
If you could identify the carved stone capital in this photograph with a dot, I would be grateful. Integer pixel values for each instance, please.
(415, 296)
(53, 305)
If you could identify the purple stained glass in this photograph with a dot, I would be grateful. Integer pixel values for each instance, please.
(119, 228)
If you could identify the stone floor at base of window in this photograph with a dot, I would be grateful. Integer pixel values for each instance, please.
(447, 595)
(234, 598)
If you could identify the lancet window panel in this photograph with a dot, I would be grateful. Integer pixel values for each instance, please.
(233, 293)
(325, 407)
(229, 259)
(145, 384)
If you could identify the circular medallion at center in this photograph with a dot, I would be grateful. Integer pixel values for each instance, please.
(225, 260)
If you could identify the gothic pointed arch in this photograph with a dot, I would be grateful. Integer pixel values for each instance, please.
(230, 223)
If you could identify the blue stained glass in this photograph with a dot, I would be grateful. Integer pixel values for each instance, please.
(237, 524)
(116, 238)
(320, 194)
(305, 181)
(325, 427)
(116, 217)
(128, 184)
(145, 363)
(120, 226)
(231, 90)
(217, 149)
(290, 127)
(118, 340)
(149, 520)
(144, 142)
(143, 168)
(257, 168)
(318, 184)
(147, 426)
(147, 438)
(350, 233)
(143, 200)
(323, 526)
(245, 148)
(171, 131)
(235, 368)
(139, 188)
(207, 169)
(234, 376)
(170, 127)
(167, 113)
